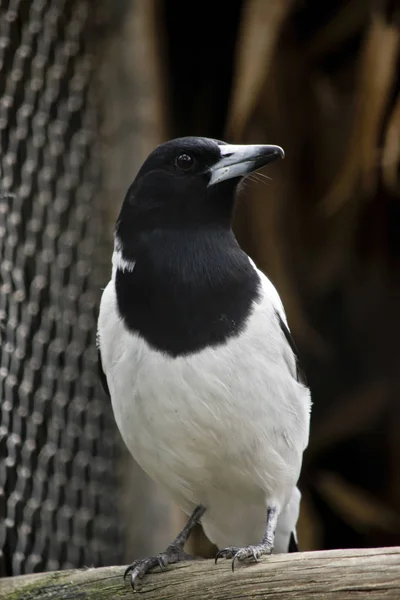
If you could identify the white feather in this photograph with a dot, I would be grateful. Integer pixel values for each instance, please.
(287, 522)
(118, 261)
(225, 427)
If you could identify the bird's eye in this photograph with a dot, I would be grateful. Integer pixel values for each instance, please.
(184, 162)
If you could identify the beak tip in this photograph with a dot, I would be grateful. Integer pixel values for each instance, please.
(280, 151)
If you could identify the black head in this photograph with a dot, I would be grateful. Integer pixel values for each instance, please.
(187, 183)
(182, 281)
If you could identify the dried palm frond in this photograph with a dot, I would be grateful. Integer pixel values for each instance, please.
(378, 63)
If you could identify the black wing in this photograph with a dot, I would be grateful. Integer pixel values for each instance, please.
(301, 376)
(293, 547)
(102, 375)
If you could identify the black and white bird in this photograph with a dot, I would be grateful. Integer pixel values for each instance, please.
(196, 355)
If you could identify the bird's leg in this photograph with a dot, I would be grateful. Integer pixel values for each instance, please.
(173, 554)
(254, 552)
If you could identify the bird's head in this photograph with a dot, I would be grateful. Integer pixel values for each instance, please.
(189, 183)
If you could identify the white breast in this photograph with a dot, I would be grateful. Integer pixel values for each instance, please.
(225, 427)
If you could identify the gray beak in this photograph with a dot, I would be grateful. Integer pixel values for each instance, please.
(238, 161)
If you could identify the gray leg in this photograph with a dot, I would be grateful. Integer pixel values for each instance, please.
(173, 554)
(254, 552)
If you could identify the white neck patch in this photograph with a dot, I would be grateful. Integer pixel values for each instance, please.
(118, 261)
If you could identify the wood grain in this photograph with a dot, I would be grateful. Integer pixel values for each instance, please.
(371, 574)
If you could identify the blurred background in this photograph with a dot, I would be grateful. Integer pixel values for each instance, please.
(87, 91)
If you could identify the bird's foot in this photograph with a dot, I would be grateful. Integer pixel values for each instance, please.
(139, 568)
(173, 554)
(242, 554)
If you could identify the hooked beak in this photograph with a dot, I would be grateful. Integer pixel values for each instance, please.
(238, 161)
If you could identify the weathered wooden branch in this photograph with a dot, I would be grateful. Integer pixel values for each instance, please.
(370, 574)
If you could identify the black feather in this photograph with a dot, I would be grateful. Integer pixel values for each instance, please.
(301, 376)
(293, 547)
(188, 290)
(102, 375)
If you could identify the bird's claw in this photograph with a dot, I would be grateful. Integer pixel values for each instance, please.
(139, 568)
(250, 552)
(242, 554)
(226, 553)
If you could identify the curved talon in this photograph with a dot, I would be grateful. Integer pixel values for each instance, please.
(128, 569)
(235, 558)
(135, 577)
(233, 562)
(132, 582)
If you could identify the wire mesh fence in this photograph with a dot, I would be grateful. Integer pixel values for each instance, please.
(58, 440)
